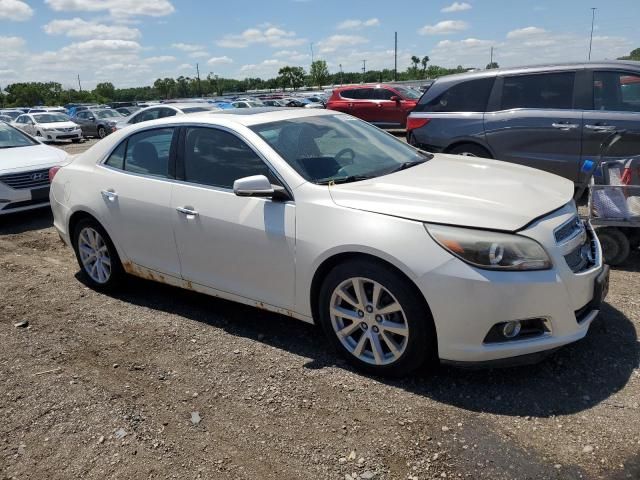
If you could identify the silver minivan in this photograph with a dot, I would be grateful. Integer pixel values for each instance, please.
(551, 117)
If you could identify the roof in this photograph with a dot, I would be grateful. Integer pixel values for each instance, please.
(543, 67)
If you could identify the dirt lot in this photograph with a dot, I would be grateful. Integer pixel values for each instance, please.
(272, 400)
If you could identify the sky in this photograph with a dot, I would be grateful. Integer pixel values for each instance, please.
(133, 42)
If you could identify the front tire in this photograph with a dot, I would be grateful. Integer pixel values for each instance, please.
(97, 256)
(102, 132)
(373, 316)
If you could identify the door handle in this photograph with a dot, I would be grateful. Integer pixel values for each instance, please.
(350, 104)
(110, 195)
(565, 126)
(189, 212)
(601, 128)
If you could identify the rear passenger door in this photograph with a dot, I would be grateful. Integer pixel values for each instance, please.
(364, 105)
(135, 184)
(615, 106)
(535, 123)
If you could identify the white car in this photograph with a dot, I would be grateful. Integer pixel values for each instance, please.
(403, 257)
(49, 127)
(24, 170)
(156, 112)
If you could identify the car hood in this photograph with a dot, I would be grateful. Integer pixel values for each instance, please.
(463, 191)
(58, 125)
(13, 160)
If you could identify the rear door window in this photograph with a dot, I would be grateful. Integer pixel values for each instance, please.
(468, 96)
(383, 94)
(144, 153)
(616, 91)
(540, 91)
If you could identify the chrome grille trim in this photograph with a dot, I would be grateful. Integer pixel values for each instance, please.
(27, 180)
(568, 230)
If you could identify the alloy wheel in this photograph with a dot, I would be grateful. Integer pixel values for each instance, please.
(94, 255)
(369, 321)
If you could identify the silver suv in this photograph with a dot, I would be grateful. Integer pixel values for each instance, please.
(550, 117)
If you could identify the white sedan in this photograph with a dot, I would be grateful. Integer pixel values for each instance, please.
(403, 257)
(49, 127)
(24, 170)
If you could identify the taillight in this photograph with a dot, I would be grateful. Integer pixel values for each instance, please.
(416, 122)
(52, 173)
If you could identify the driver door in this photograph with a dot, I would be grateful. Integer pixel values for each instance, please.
(239, 245)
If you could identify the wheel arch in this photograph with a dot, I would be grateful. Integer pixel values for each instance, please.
(473, 142)
(336, 259)
(81, 214)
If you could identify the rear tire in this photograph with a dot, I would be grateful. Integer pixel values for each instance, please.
(97, 256)
(615, 245)
(470, 150)
(385, 329)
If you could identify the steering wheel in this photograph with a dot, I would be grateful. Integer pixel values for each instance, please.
(346, 151)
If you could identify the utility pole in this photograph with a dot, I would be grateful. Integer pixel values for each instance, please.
(593, 19)
(79, 84)
(364, 69)
(311, 46)
(341, 80)
(395, 59)
(198, 73)
(491, 61)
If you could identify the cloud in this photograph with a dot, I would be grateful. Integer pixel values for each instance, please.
(199, 54)
(77, 27)
(265, 69)
(334, 42)
(9, 44)
(160, 59)
(446, 27)
(219, 60)
(268, 34)
(292, 55)
(116, 8)
(187, 47)
(526, 32)
(15, 10)
(357, 24)
(457, 7)
(526, 46)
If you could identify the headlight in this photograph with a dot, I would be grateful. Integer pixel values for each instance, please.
(491, 250)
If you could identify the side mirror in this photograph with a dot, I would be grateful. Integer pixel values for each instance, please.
(395, 98)
(258, 186)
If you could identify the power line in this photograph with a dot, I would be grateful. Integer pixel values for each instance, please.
(593, 19)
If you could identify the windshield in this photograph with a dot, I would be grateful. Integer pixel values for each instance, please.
(12, 137)
(106, 114)
(51, 118)
(409, 93)
(11, 114)
(337, 148)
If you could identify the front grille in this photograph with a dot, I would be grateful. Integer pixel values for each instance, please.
(27, 180)
(568, 230)
(583, 256)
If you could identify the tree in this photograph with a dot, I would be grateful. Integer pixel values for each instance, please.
(105, 90)
(424, 62)
(491, 66)
(319, 73)
(634, 55)
(165, 87)
(291, 76)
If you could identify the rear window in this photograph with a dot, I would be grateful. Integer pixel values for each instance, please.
(544, 91)
(469, 96)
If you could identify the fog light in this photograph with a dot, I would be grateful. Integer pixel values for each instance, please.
(511, 329)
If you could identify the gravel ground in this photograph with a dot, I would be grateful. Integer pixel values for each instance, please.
(157, 382)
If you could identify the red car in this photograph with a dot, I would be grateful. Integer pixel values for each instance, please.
(383, 105)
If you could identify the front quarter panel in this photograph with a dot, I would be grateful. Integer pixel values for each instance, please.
(324, 230)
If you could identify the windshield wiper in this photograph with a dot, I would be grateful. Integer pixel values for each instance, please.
(349, 179)
(405, 165)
